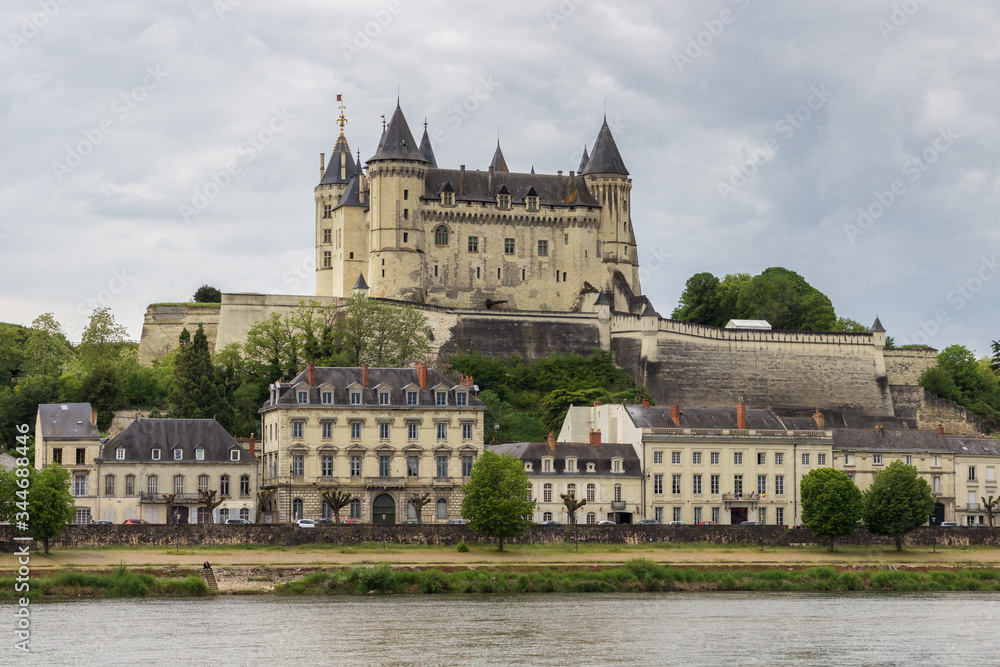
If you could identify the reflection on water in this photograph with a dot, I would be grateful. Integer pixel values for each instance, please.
(642, 629)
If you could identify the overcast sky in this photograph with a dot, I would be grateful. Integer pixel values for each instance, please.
(755, 133)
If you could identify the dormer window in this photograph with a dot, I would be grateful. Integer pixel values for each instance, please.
(616, 465)
(156, 454)
(355, 398)
(461, 398)
(234, 455)
(447, 195)
(303, 397)
(383, 398)
(120, 453)
(570, 464)
(199, 454)
(441, 398)
(327, 398)
(547, 465)
(527, 466)
(503, 199)
(590, 467)
(178, 454)
(411, 398)
(531, 201)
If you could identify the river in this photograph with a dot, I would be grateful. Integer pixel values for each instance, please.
(735, 629)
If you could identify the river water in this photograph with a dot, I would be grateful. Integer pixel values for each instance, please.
(735, 629)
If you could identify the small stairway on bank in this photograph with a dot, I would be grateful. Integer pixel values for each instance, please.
(210, 579)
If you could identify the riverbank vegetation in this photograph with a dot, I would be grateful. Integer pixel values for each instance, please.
(119, 583)
(636, 575)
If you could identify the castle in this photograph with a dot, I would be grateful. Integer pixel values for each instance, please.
(467, 238)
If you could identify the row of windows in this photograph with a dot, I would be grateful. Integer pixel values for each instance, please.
(354, 511)
(590, 490)
(531, 203)
(715, 514)
(570, 465)
(778, 458)
(384, 430)
(676, 484)
(81, 485)
(81, 455)
(384, 397)
(384, 466)
(441, 237)
(990, 474)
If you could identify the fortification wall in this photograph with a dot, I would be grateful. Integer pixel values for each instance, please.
(915, 402)
(906, 366)
(163, 325)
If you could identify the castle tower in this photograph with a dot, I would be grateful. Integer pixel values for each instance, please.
(335, 176)
(607, 179)
(397, 238)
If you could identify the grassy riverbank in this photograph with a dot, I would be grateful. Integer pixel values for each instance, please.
(637, 574)
(120, 583)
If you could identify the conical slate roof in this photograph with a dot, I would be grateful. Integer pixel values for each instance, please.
(397, 141)
(340, 157)
(605, 159)
(498, 163)
(583, 160)
(877, 326)
(352, 193)
(361, 284)
(426, 150)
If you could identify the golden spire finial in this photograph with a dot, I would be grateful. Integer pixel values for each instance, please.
(342, 120)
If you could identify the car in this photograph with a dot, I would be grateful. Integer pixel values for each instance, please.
(306, 523)
(799, 525)
(458, 522)
(708, 523)
(751, 523)
(318, 521)
(952, 523)
(677, 523)
(135, 522)
(649, 522)
(238, 522)
(351, 522)
(550, 523)
(606, 522)
(102, 523)
(411, 522)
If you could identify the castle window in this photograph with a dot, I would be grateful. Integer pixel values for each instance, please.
(351, 255)
(406, 237)
(531, 203)
(406, 214)
(508, 246)
(447, 198)
(327, 259)
(327, 235)
(503, 202)
(327, 210)
(477, 272)
(565, 239)
(564, 276)
(441, 235)
(406, 194)
(522, 274)
(543, 248)
(473, 244)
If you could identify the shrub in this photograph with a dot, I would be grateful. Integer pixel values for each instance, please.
(378, 578)
(463, 548)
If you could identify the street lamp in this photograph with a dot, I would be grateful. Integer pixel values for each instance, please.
(383, 533)
(177, 535)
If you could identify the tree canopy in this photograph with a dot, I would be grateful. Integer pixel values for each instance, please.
(973, 384)
(497, 497)
(50, 505)
(207, 294)
(831, 504)
(898, 501)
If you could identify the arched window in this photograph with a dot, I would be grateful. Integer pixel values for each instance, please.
(355, 508)
(618, 493)
(591, 492)
(411, 511)
(571, 490)
(547, 516)
(547, 493)
(442, 509)
(152, 484)
(591, 518)
(296, 509)
(441, 235)
(244, 485)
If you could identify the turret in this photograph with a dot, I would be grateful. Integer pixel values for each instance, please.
(396, 176)
(608, 180)
(335, 177)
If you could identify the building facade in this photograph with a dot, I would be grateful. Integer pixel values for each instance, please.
(384, 435)
(475, 239)
(66, 434)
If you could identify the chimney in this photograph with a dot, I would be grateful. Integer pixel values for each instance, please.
(422, 375)
(818, 418)
(251, 446)
(93, 417)
(552, 441)
(311, 374)
(645, 402)
(364, 375)
(596, 403)
(322, 165)
(467, 381)
(595, 438)
(940, 429)
(741, 415)
(675, 414)
(571, 174)
(559, 173)
(461, 180)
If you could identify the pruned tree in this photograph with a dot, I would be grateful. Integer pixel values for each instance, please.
(419, 501)
(265, 497)
(337, 500)
(989, 506)
(209, 501)
(572, 505)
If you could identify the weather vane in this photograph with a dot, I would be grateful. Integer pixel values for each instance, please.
(342, 120)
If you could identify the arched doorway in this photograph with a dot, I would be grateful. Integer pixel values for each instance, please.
(938, 514)
(384, 509)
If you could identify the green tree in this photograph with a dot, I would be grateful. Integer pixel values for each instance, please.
(102, 340)
(898, 501)
(198, 385)
(337, 500)
(786, 300)
(8, 495)
(207, 294)
(831, 504)
(46, 350)
(50, 505)
(729, 295)
(700, 301)
(104, 390)
(572, 506)
(496, 497)
(847, 325)
(556, 404)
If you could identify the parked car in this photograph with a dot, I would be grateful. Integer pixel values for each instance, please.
(550, 523)
(351, 522)
(459, 522)
(306, 523)
(135, 522)
(677, 523)
(750, 523)
(102, 523)
(799, 525)
(606, 522)
(649, 522)
(953, 523)
(411, 522)
(238, 522)
(708, 523)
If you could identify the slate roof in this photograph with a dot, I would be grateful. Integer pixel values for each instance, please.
(877, 326)
(341, 151)
(140, 438)
(970, 446)
(426, 150)
(583, 160)
(360, 283)
(393, 378)
(352, 193)
(397, 141)
(552, 190)
(585, 453)
(718, 418)
(605, 159)
(889, 440)
(498, 164)
(67, 420)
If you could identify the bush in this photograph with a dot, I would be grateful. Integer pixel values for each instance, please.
(463, 548)
(379, 578)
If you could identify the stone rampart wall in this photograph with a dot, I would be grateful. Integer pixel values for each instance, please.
(163, 324)
(915, 402)
(906, 366)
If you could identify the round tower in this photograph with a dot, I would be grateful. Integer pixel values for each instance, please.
(334, 178)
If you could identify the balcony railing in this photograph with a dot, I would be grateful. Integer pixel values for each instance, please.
(973, 506)
(162, 497)
(385, 482)
(618, 505)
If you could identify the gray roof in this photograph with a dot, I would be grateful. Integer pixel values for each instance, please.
(973, 446)
(605, 159)
(584, 452)
(552, 190)
(341, 152)
(498, 163)
(397, 141)
(393, 378)
(140, 438)
(361, 284)
(425, 148)
(877, 326)
(889, 440)
(352, 193)
(583, 160)
(602, 299)
(67, 420)
(717, 418)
